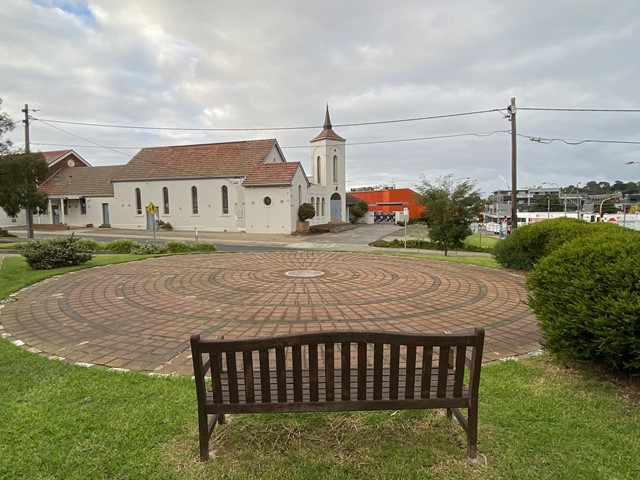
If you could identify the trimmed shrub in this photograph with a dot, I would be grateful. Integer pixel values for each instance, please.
(122, 245)
(305, 212)
(203, 247)
(423, 245)
(55, 252)
(176, 246)
(89, 244)
(586, 296)
(149, 249)
(523, 248)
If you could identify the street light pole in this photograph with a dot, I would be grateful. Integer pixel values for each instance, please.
(514, 177)
(602, 204)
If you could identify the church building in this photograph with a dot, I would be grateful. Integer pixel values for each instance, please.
(245, 186)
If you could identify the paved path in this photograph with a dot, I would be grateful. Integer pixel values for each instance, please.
(140, 315)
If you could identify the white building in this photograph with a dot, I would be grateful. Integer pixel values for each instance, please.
(235, 186)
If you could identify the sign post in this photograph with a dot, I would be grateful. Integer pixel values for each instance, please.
(152, 209)
(405, 212)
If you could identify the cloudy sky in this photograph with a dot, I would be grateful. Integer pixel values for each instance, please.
(246, 69)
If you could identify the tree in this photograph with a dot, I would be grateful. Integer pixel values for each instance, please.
(6, 125)
(450, 209)
(359, 210)
(305, 212)
(20, 174)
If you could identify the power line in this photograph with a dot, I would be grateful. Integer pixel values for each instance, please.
(547, 141)
(605, 110)
(454, 135)
(82, 138)
(192, 129)
(401, 140)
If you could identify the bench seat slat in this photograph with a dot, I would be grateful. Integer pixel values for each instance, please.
(387, 390)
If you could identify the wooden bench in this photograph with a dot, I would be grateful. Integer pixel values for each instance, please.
(338, 371)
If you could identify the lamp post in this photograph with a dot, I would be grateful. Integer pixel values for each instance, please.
(602, 204)
(559, 190)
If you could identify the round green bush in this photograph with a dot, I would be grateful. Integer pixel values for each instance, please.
(89, 244)
(149, 249)
(523, 248)
(305, 212)
(55, 252)
(122, 245)
(203, 247)
(586, 296)
(176, 246)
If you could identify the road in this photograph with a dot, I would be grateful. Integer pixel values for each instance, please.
(356, 238)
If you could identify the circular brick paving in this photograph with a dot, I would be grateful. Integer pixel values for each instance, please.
(140, 315)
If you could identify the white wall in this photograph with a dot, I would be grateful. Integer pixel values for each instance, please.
(273, 218)
(210, 215)
(7, 221)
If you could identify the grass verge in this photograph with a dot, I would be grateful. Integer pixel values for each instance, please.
(16, 274)
(536, 421)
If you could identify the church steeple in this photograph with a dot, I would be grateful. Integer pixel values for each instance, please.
(327, 120)
(327, 130)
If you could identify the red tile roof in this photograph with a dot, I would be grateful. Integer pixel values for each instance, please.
(272, 174)
(327, 130)
(92, 181)
(53, 156)
(230, 159)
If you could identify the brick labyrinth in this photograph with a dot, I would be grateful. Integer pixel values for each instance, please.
(140, 315)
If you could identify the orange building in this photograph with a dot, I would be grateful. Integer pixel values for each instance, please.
(391, 200)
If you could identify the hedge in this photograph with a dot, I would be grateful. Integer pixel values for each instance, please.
(586, 296)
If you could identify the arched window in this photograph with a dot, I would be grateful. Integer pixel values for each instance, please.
(225, 200)
(312, 204)
(165, 200)
(138, 202)
(194, 200)
(323, 207)
(318, 206)
(335, 169)
(299, 194)
(318, 168)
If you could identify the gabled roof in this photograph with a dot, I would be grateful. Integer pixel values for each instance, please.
(85, 182)
(327, 131)
(269, 174)
(57, 156)
(230, 159)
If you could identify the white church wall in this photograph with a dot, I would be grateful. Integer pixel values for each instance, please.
(269, 210)
(209, 216)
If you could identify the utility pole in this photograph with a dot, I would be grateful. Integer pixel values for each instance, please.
(514, 178)
(27, 150)
(27, 146)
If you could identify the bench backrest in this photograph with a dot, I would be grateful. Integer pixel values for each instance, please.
(338, 366)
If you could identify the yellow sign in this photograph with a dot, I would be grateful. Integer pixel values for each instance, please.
(152, 208)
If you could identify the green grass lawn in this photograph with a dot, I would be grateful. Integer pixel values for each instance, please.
(483, 240)
(16, 274)
(537, 420)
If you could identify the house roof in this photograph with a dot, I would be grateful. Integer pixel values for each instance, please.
(230, 159)
(327, 130)
(55, 156)
(86, 182)
(272, 174)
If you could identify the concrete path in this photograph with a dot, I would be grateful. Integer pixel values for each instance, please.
(140, 315)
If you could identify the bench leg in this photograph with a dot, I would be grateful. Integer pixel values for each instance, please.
(472, 433)
(205, 429)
